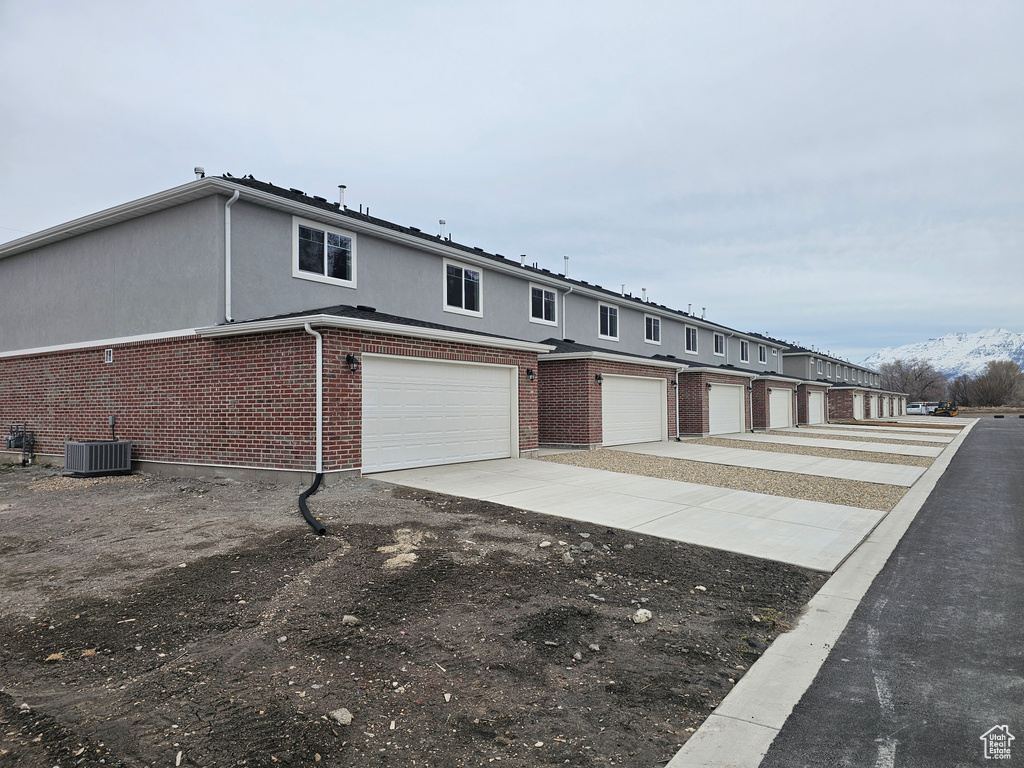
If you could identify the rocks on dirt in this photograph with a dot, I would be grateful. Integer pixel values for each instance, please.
(350, 621)
(594, 647)
(701, 589)
(545, 544)
(342, 716)
(641, 616)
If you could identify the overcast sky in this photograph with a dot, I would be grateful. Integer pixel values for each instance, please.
(847, 175)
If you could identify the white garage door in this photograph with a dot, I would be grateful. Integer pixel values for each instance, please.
(885, 407)
(419, 413)
(873, 402)
(633, 410)
(858, 407)
(815, 407)
(725, 409)
(780, 409)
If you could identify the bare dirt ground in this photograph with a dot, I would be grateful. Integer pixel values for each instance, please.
(157, 622)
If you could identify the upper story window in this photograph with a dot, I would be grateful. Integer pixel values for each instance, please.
(652, 329)
(323, 254)
(819, 367)
(543, 305)
(691, 339)
(828, 370)
(720, 344)
(609, 322)
(462, 289)
(762, 353)
(775, 352)
(744, 351)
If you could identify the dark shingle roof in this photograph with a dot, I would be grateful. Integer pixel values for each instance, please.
(568, 346)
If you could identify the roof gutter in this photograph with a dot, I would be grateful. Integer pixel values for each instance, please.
(355, 324)
(227, 256)
(612, 358)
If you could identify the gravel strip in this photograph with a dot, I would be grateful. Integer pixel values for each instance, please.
(807, 450)
(860, 437)
(851, 493)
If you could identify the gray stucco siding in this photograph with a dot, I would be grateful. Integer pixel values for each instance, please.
(152, 274)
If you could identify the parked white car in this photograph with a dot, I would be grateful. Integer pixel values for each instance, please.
(920, 409)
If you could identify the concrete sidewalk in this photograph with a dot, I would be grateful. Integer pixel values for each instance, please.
(819, 466)
(842, 445)
(805, 533)
(740, 731)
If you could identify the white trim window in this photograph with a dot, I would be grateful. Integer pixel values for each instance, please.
(543, 305)
(323, 254)
(762, 353)
(608, 323)
(691, 340)
(463, 289)
(828, 370)
(652, 329)
(819, 367)
(720, 344)
(744, 351)
(775, 352)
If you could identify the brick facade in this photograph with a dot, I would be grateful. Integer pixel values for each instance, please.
(761, 400)
(241, 401)
(803, 402)
(569, 398)
(694, 417)
(840, 403)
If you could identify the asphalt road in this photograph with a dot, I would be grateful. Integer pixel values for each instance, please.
(933, 658)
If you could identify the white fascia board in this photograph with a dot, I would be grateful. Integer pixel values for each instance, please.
(101, 343)
(772, 376)
(699, 369)
(611, 358)
(355, 324)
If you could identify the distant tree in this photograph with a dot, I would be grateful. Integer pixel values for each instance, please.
(959, 390)
(1001, 383)
(915, 377)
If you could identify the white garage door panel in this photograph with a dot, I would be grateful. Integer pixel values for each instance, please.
(858, 407)
(419, 413)
(873, 402)
(725, 409)
(816, 408)
(633, 410)
(780, 407)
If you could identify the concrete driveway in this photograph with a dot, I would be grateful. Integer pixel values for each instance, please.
(805, 533)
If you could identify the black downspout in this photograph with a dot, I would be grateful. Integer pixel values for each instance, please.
(314, 522)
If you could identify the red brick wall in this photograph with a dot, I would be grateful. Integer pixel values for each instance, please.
(840, 404)
(761, 416)
(246, 401)
(569, 398)
(693, 400)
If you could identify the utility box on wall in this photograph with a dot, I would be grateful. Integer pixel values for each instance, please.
(92, 458)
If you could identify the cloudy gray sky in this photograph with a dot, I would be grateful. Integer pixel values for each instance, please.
(848, 175)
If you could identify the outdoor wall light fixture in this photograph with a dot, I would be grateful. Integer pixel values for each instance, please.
(751, 389)
(531, 374)
(769, 390)
(674, 384)
(598, 378)
(352, 362)
(709, 386)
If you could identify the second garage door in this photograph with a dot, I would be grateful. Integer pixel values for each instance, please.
(858, 407)
(419, 413)
(633, 410)
(815, 407)
(780, 409)
(725, 409)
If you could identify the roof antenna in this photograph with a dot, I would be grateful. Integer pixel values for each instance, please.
(200, 172)
(341, 195)
(442, 222)
(566, 265)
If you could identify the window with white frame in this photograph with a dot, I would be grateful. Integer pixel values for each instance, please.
(720, 344)
(762, 353)
(828, 370)
(323, 254)
(691, 339)
(819, 367)
(652, 329)
(744, 352)
(609, 322)
(543, 305)
(462, 289)
(775, 352)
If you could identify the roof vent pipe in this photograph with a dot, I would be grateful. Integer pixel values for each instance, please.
(566, 265)
(623, 291)
(442, 223)
(703, 312)
(200, 172)
(645, 294)
(341, 195)
(689, 309)
(522, 260)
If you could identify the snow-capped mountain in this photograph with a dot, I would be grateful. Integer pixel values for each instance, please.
(957, 353)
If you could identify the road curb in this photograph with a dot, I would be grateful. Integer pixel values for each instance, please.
(742, 728)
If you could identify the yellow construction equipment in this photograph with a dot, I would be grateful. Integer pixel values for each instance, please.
(946, 408)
